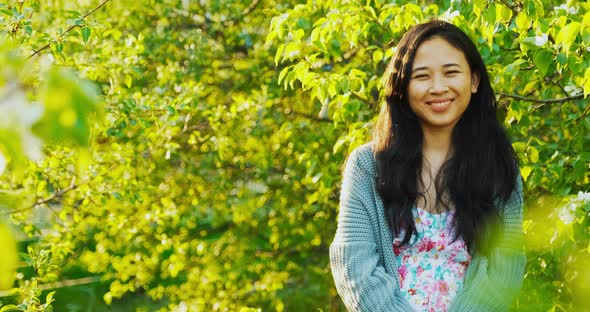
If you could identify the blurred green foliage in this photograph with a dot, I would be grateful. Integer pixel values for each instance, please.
(206, 175)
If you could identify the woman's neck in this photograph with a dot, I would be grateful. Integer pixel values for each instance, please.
(437, 145)
(436, 149)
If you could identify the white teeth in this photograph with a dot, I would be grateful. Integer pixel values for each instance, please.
(440, 103)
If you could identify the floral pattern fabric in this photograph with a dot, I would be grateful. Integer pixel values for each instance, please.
(431, 266)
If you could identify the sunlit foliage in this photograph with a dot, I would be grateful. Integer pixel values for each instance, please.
(190, 151)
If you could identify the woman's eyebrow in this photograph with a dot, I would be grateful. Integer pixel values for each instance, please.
(451, 65)
(426, 67)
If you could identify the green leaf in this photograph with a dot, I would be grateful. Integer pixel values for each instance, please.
(49, 297)
(85, 34)
(299, 33)
(344, 84)
(371, 11)
(117, 195)
(322, 92)
(128, 80)
(478, 6)
(580, 168)
(533, 154)
(377, 56)
(567, 35)
(282, 74)
(539, 9)
(522, 21)
(6, 11)
(529, 8)
(525, 171)
(9, 308)
(279, 54)
(543, 60)
(503, 13)
(292, 50)
(339, 145)
(171, 110)
(518, 147)
(489, 14)
(585, 26)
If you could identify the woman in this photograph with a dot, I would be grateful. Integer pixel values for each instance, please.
(431, 210)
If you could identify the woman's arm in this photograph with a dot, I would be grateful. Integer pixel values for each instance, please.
(498, 278)
(359, 276)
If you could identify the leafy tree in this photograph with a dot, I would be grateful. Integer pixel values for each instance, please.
(537, 55)
(212, 182)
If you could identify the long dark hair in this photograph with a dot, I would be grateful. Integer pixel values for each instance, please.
(483, 166)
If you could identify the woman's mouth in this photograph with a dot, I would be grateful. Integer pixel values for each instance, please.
(439, 105)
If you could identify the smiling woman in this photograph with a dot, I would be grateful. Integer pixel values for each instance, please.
(431, 210)
(441, 84)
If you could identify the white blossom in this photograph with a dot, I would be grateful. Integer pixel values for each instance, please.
(567, 213)
(584, 196)
(572, 89)
(541, 40)
(449, 16)
(563, 6)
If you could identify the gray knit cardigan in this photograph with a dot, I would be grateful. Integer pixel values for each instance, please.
(363, 263)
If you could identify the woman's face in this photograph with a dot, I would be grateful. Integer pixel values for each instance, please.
(440, 85)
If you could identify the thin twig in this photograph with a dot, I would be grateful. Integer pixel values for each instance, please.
(584, 114)
(60, 284)
(544, 101)
(557, 85)
(69, 29)
(250, 8)
(511, 6)
(375, 20)
(55, 195)
(311, 117)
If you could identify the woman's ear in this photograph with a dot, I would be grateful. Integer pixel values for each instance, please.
(474, 82)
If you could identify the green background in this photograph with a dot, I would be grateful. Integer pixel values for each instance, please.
(189, 153)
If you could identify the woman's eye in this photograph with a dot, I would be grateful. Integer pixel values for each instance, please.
(452, 72)
(420, 76)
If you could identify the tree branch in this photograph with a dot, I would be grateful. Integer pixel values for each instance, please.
(69, 29)
(55, 195)
(544, 101)
(250, 8)
(375, 20)
(514, 7)
(584, 114)
(553, 82)
(308, 116)
(60, 284)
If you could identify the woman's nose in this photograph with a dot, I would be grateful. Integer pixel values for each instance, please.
(438, 86)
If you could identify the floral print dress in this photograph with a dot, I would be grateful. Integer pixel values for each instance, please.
(431, 266)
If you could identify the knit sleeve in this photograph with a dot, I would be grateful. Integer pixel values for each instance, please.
(360, 278)
(498, 278)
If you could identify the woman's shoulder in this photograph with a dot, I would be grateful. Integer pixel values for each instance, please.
(364, 157)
